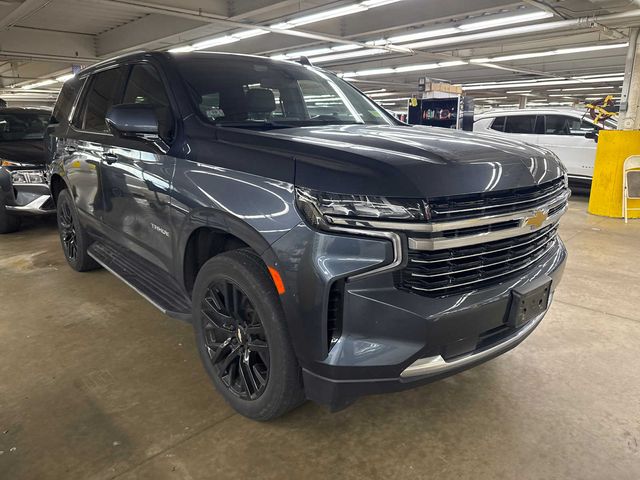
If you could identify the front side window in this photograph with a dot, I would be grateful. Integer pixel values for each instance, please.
(104, 91)
(22, 125)
(254, 91)
(145, 87)
(565, 125)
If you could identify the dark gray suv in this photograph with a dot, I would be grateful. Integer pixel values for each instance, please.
(320, 248)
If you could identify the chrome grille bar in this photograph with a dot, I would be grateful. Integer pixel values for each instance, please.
(484, 279)
(545, 246)
(502, 205)
(441, 243)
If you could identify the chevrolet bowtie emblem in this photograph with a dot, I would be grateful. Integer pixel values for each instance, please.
(536, 220)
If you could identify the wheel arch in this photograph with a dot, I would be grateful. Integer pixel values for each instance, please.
(57, 184)
(205, 240)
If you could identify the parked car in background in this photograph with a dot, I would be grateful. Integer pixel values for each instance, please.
(24, 187)
(569, 133)
(319, 247)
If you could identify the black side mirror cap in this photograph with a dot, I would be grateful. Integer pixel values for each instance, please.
(133, 120)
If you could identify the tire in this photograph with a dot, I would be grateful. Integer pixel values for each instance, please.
(8, 223)
(73, 238)
(245, 350)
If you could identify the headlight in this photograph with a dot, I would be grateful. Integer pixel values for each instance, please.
(21, 177)
(323, 209)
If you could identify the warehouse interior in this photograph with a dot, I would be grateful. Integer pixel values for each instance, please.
(97, 383)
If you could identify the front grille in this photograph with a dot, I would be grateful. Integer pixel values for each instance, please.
(494, 203)
(445, 272)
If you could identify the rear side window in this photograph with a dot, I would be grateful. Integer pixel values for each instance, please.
(104, 92)
(520, 124)
(565, 125)
(498, 124)
(65, 100)
(145, 87)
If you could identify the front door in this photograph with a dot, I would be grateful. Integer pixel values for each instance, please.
(564, 135)
(136, 177)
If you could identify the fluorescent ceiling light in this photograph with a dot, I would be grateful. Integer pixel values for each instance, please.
(600, 75)
(317, 51)
(509, 20)
(320, 16)
(214, 42)
(405, 68)
(375, 91)
(382, 94)
(254, 32)
(356, 54)
(498, 86)
(409, 37)
(64, 78)
(186, 48)
(42, 83)
(519, 91)
(562, 51)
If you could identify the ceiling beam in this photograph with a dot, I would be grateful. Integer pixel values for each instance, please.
(22, 11)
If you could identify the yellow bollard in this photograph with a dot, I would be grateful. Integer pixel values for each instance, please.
(614, 146)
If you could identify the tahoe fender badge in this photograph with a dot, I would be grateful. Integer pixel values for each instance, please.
(163, 231)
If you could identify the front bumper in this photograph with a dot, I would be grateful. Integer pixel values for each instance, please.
(25, 199)
(389, 339)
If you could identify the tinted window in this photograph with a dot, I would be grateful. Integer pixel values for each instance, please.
(248, 91)
(65, 100)
(520, 124)
(146, 88)
(498, 124)
(564, 125)
(105, 90)
(16, 125)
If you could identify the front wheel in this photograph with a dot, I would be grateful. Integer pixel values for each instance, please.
(242, 336)
(73, 238)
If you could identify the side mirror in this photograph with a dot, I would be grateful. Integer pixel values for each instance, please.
(133, 120)
(592, 135)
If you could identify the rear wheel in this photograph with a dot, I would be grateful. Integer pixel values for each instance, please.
(73, 238)
(242, 337)
(8, 223)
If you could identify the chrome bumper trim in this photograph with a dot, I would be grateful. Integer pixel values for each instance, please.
(437, 364)
(34, 207)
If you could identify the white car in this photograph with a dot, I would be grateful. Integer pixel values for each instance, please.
(569, 133)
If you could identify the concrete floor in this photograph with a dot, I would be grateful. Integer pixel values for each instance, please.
(96, 383)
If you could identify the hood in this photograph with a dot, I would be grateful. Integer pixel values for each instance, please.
(30, 152)
(412, 161)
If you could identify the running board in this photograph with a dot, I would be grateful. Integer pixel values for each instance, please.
(151, 282)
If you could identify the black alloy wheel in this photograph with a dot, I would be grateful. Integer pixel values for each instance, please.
(235, 340)
(68, 232)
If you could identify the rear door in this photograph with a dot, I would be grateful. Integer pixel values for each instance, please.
(136, 175)
(564, 135)
(83, 147)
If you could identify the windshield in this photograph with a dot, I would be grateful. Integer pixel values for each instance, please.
(22, 125)
(245, 91)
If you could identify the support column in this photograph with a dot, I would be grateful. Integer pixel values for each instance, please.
(523, 102)
(630, 99)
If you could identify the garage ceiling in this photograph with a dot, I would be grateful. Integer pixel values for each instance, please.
(553, 51)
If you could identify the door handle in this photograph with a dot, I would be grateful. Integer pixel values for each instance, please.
(70, 149)
(110, 157)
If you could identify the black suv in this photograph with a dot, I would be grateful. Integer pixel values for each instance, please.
(321, 249)
(24, 189)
